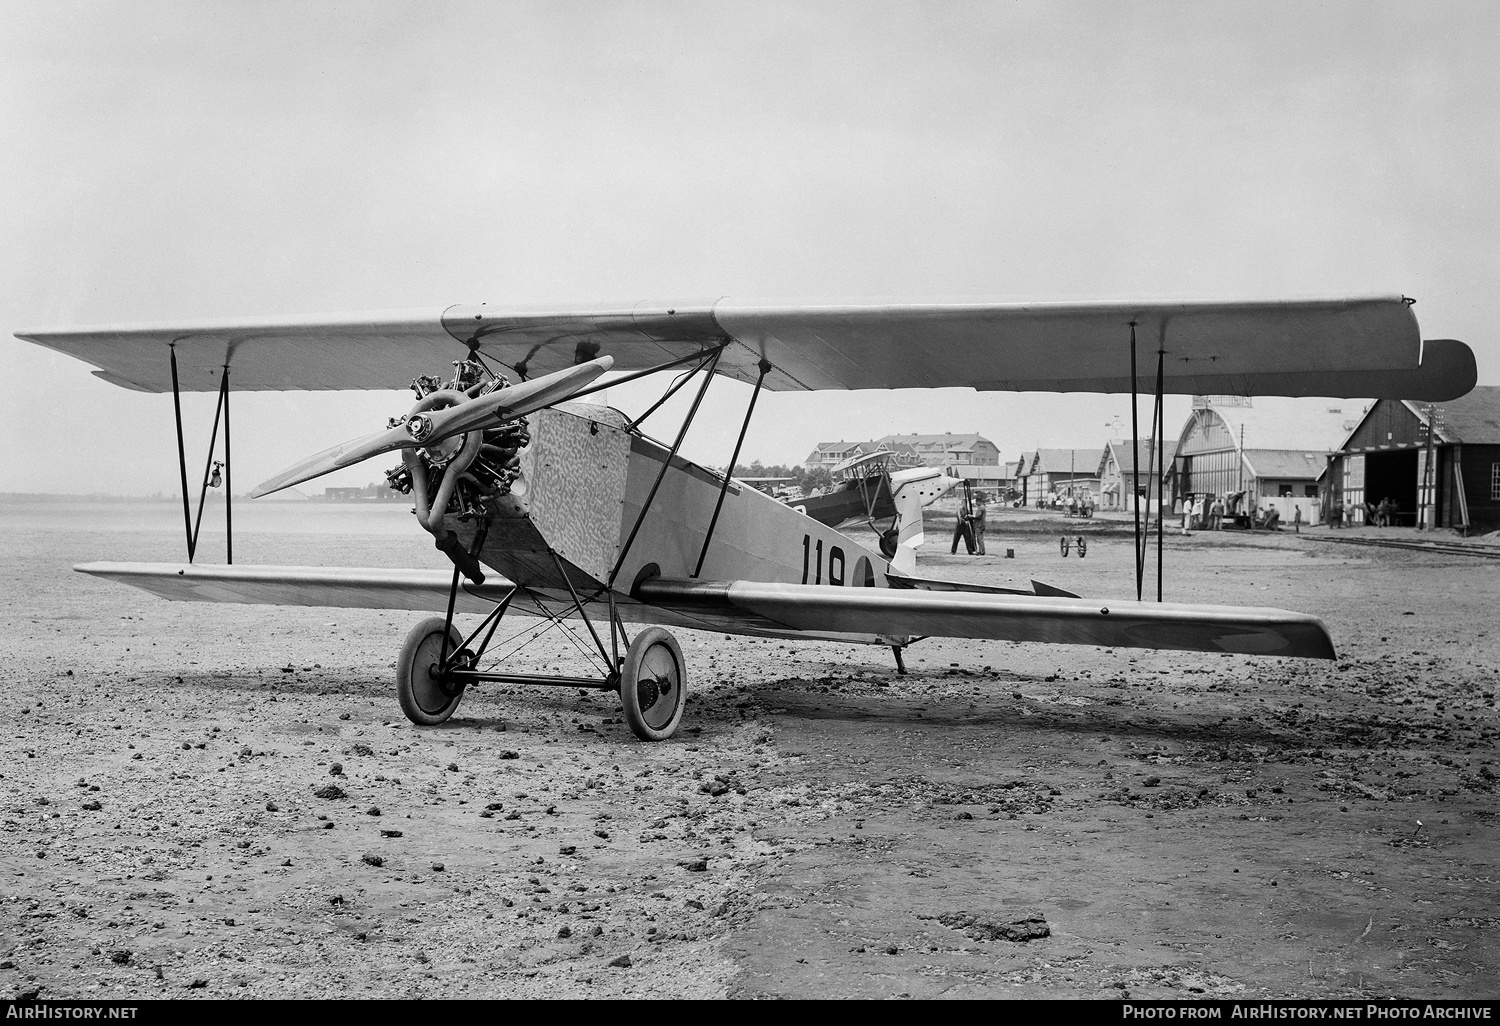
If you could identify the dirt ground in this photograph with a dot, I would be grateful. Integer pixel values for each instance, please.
(1177, 825)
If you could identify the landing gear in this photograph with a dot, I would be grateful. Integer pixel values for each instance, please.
(653, 685)
(1063, 544)
(890, 541)
(1083, 547)
(427, 695)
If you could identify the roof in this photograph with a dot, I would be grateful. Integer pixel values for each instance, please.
(1293, 463)
(1275, 422)
(865, 449)
(1146, 453)
(1078, 462)
(1349, 346)
(1474, 418)
(946, 442)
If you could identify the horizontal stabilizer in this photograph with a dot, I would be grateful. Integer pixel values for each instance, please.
(949, 614)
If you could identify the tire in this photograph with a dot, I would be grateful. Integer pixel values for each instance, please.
(424, 699)
(1083, 547)
(653, 685)
(890, 541)
(1064, 546)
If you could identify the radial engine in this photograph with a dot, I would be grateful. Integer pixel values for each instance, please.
(465, 475)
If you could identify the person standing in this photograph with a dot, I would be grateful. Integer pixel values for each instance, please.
(1297, 519)
(976, 523)
(963, 529)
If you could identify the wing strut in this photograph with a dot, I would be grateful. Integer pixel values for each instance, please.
(710, 362)
(1156, 464)
(765, 367)
(211, 467)
(1161, 464)
(1135, 460)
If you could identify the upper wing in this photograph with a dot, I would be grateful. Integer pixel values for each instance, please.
(948, 614)
(1356, 348)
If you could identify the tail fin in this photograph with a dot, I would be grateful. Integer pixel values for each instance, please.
(913, 491)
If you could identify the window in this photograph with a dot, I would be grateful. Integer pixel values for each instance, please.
(1310, 491)
(1284, 491)
(1495, 480)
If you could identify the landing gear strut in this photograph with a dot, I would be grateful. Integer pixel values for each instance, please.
(437, 664)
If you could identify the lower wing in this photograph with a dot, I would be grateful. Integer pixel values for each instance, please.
(1003, 617)
(772, 609)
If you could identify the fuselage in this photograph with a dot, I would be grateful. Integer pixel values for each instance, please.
(575, 509)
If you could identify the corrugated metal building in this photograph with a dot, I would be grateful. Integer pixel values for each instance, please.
(1272, 449)
(1386, 456)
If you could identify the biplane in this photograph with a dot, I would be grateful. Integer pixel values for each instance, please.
(870, 490)
(550, 505)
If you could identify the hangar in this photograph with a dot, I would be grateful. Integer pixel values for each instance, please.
(1446, 477)
(1269, 452)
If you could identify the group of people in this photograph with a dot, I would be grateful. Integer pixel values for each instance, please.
(970, 526)
(1204, 514)
(1074, 504)
(1207, 513)
(1381, 514)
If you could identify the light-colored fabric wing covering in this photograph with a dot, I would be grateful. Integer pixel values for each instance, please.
(824, 611)
(1065, 621)
(1356, 348)
(349, 587)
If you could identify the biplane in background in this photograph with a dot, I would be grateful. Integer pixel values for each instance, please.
(586, 517)
(870, 490)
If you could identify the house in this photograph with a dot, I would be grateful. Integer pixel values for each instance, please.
(911, 451)
(829, 454)
(1438, 462)
(1121, 471)
(1019, 475)
(948, 448)
(373, 492)
(1046, 472)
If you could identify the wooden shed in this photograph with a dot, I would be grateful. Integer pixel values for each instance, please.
(1439, 463)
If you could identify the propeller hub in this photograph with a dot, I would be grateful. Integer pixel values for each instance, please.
(419, 426)
(440, 454)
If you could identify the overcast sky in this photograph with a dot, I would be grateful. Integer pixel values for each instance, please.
(200, 159)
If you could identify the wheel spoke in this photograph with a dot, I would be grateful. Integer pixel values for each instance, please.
(659, 663)
(426, 689)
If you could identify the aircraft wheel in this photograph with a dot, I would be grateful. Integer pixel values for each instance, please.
(424, 698)
(890, 541)
(653, 685)
(1065, 546)
(1083, 547)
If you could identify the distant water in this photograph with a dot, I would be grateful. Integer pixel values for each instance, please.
(90, 513)
(65, 528)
